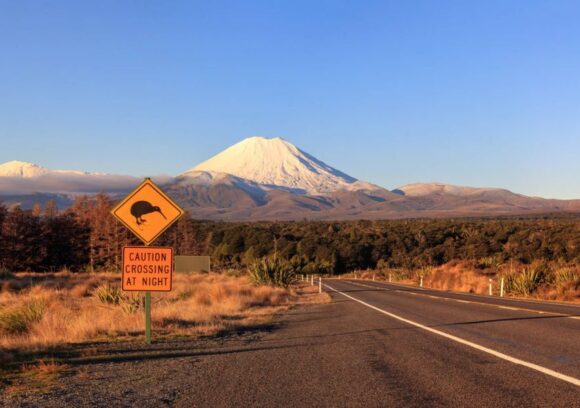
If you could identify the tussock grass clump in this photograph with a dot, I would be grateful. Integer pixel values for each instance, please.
(566, 275)
(272, 271)
(109, 294)
(131, 303)
(525, 282)
(18, 319)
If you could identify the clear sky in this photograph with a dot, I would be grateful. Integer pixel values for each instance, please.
(479, 93)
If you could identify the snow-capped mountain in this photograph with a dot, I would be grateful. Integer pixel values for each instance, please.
(272, 179)
(278, 164)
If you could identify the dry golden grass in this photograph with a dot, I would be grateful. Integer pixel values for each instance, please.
(559, 283)
(199, 304)
(457, 276)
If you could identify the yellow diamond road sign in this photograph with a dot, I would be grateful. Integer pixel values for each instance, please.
(147, 212)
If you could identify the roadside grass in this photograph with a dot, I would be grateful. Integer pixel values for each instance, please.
(46, 314)
(48, 322)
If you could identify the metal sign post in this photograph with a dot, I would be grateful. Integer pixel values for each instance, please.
(148, 317)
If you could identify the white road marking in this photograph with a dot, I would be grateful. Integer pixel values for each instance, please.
(476, 346)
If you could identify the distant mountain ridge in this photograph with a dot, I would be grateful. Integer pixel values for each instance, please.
(424, 189)
(272, 179)
(23, 169)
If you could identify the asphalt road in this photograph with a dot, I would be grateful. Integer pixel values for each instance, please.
(373, 345)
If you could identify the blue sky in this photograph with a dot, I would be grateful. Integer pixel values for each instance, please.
(480, 93)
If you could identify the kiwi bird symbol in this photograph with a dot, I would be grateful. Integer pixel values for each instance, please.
(140, 208)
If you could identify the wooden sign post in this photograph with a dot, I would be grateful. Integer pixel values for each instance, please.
(147, 212)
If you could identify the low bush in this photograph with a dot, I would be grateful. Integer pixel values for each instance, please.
(272, 271)
(525, 282)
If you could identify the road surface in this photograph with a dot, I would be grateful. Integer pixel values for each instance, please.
(373, 345)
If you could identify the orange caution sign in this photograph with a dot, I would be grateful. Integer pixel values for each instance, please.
(147, 268)
(147, 212)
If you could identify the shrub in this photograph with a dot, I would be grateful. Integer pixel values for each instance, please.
(109, 294)
(318, 268)
(272, 271)
(489, 262)
(525, 282)
(18, 320)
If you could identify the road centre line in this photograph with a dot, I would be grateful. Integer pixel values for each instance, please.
(543, 370)
(468, 301)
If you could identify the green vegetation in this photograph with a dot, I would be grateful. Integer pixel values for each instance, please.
(272, 271)
(525, 282)
(341, 247)
(86, 237)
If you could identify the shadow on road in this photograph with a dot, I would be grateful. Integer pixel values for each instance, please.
(507, 319)
(132, 355)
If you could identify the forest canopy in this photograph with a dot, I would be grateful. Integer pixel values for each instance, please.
(87, 237)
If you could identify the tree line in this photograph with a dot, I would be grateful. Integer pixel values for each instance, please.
(86, 237)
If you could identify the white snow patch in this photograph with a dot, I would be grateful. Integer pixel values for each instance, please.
(278, 164)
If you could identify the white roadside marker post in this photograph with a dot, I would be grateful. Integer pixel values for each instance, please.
(501, 288)
(320, 285)
(421, 284)
(490, 288)
(312, 280)
(373, 276)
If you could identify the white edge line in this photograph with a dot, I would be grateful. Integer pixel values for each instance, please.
(476, 346)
